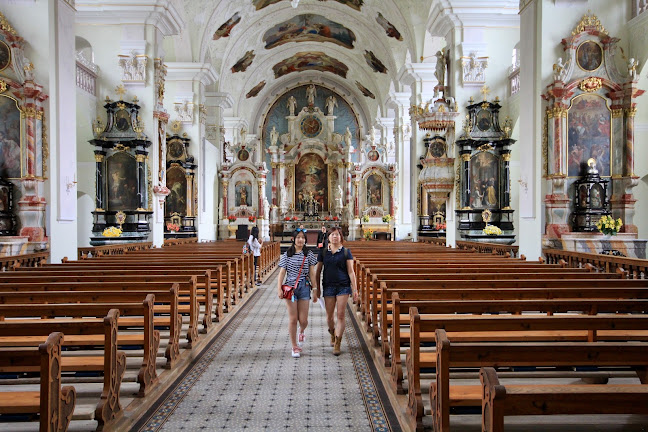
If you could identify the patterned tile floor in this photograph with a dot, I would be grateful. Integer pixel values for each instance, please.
(247, 380)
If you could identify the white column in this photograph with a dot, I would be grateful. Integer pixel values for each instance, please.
(530, 225)
(62, 218)
(400, 102)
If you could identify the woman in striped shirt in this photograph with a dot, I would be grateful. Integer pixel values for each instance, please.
(290, 263)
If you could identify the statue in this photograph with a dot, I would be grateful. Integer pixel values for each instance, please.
(372, 135)
(632, 69)
(560, 70)
(338, 199)
(331, 102)
(291, 104)
(347, 137)
(243, 135)
(266, 208)
(284, 197)
(274, 136)
(311, 94)
(440, 68)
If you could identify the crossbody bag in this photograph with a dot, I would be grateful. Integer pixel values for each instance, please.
(289, 290)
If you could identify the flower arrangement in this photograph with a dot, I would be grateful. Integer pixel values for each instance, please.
(112, 232)
(287, 218)
(368, 234)
(492, 230)
(387, 218)
(440, 226)
(365, 218)
(295, 218)
(335, 218)
(252, 219)
(231, 218)
(326, 218)
(172, 227)
(608, 226)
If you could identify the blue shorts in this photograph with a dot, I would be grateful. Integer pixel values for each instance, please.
(303, 291)
(334, 291)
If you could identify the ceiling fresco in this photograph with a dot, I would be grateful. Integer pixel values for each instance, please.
(244, 62)
(365, 91)
(390, 30)
(309, 28)
(225, 29)
(355, 4)
(310, 60)
(373, 62)
(254, 91)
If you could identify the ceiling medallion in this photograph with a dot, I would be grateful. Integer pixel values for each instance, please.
(591, 84)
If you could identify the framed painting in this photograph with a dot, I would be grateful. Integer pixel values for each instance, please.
(5, 56)
(10, 133)
(243, 193)
(589, 56)
(589, 134)
(311, 179)
(176, 201)
(374, 187)
(484, 179)
(121, 182)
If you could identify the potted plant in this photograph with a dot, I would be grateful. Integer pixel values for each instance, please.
(335, 218)
(231, 218)
(252, 219)
(440, 226)
(326, 218)
(172, 227)
(287, 218)
(295, 218)
(365, 218)
(387, 218)
(608, 226)
(368, 234)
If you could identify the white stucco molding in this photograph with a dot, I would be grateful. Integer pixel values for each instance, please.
(159, 13)
(189, 71)
(219, 99)
(398, 100)
(569, 3)
(449, 14)
(417, 72)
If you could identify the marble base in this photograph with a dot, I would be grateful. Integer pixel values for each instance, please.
(128, 238)
(13, 245)
(625, 243)
(505, 239)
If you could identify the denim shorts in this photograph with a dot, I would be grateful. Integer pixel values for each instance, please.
(303, 291)
(334, 291)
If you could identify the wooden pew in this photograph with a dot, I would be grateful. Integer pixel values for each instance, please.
(54, 403)
(499, 401)
(111, 363)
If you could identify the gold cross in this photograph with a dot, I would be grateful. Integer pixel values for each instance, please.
(121, 91)
(485, 91)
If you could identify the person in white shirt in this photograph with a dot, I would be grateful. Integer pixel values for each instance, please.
(255, 246)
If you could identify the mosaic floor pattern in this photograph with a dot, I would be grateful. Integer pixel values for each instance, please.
(247, 380)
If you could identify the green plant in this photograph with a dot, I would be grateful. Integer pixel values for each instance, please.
(608, 226)
(368, 234)
(365, 218)
(387, 218)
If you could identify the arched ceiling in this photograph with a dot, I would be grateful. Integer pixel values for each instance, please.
(311, 38)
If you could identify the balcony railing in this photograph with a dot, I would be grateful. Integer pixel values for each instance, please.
(514, 81)
(639, 7)
(86, 74)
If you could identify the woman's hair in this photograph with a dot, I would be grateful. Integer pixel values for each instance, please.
(339, 230)
(291, 250)
(255, 233)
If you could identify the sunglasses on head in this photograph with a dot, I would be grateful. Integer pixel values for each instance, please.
(304, 230)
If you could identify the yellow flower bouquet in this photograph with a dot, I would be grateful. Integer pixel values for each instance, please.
(492, 230)
(368, 234)
(608, 226)
(112, 232)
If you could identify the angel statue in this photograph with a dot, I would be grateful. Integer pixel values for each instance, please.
(347, 138)
(292, 104)
(331, 103)
(560, 70)
(311, 94)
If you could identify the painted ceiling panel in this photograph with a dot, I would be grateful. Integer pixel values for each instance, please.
(309, 28)
(310, 60)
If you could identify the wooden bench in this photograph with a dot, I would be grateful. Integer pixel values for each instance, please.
(54, 403)
(499, 401)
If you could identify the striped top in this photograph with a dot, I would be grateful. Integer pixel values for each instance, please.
(292, 264)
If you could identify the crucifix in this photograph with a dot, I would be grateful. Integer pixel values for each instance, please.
(121, 91)
(485, 91)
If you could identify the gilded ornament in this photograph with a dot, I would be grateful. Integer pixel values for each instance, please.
(5, 26)
(589, 21)
(140, 158)
(486, 147)
(630, 112)
(616, 113)
(3, 86)
(121, 91)
(591, 84)
(99, 157)
(506, 157)
(465, 157)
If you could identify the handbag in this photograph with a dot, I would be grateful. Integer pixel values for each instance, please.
(288, 290)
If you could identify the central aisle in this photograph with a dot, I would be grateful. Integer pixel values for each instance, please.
(247, 379)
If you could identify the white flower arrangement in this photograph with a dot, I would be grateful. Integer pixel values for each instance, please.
(492, 230)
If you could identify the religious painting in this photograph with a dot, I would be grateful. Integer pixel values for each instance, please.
(373, 156)
(355, 4)
(4, 197)
(436, 208)
(389, 27)
(484, 180)
(176, 201)
(310, 60)
(243, 155)
(244, 62)
(122, 120)
(311, 180)
(260, 4)
(374, 190)
(255, 90)
(374, 63)
(588, 134)
(589, 56)
(484, 120)
(122, 182)
(10, 155)
(225, 29)
(5, 56)
(243, 193)
(309, 28)
(365, 92)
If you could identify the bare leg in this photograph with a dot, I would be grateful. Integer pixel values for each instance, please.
(292, 322)
(329, 302)
(302, 314)
(341, 302)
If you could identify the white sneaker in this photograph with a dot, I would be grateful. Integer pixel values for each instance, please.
(296, 352)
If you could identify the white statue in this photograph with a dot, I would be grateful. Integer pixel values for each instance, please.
(338, 198)
(331, 103)
(440, 68)
(372, 135)
(311, 94)
(243, 135)
(274, 136)
(632, 69)
(347, 137)
(291, 104)
(284, 197)
(560, 70)
(266, 208)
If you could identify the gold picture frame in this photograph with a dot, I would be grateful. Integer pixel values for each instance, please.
(5, 56)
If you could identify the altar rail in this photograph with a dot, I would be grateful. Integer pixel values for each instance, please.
(489, 248)
(179, 241)
(8, 263)
(117, 249)
(636, 268)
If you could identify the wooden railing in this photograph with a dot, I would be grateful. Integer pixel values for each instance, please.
(177, 241)
(36, 259)
(439, 241)
(490, 248)
(117, 249)
(635, 268)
